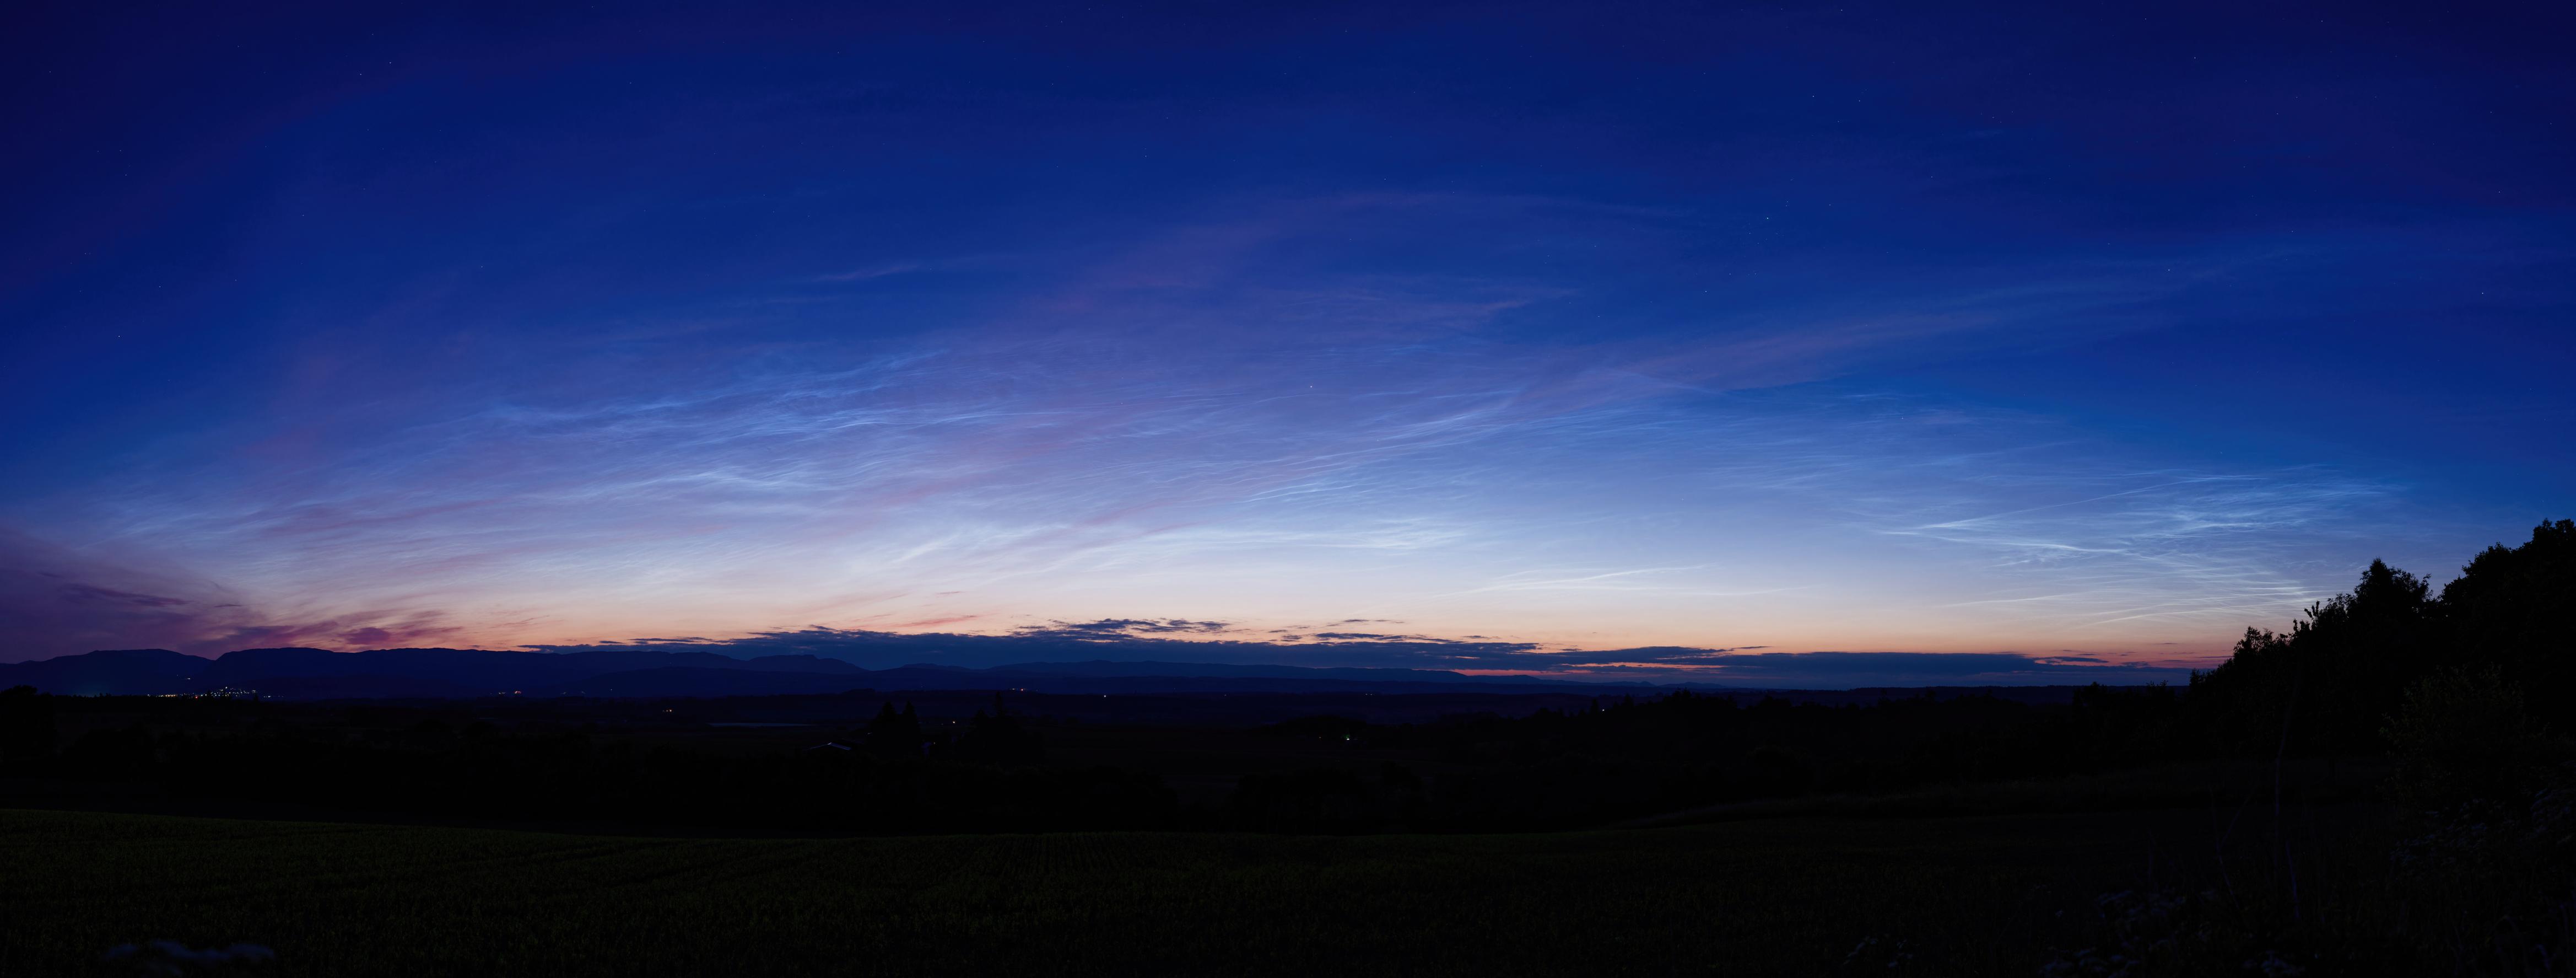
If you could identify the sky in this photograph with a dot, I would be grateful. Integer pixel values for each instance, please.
(1605, 340)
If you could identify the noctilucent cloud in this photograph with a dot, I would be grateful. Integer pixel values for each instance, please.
(2088, 334)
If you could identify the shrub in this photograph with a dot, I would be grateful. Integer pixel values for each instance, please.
(2464, 734)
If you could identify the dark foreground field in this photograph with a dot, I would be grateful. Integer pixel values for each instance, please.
(1781, 896)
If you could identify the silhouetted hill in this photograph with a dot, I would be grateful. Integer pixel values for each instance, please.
(676, 681)
(1099, 667)
(148, 672)
(305, 673)
(361, 686)
(1172, 677)
(1147, 678)
(799, 663)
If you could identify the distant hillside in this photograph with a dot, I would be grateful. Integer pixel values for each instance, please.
(1098, 667)
(147, 672)
(305, 673)
(302, 673)
(315, 674)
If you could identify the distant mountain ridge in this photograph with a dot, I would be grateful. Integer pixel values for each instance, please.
(307, 673)
(318, 674)
(110, 671)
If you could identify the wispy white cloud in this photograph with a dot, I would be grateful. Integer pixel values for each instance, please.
(1196, 412)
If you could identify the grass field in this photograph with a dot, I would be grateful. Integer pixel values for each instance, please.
(1968, 895)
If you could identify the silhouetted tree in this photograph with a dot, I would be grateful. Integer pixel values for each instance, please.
(2339, 677)
(2515, 607)
(999, 738)
(894, 734)
(2333, 680)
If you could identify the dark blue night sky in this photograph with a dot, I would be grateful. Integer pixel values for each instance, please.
(2074, 331)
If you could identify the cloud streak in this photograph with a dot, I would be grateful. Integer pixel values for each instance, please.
(1201, 425)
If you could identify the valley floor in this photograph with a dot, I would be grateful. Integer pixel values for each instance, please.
(1998, 894)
